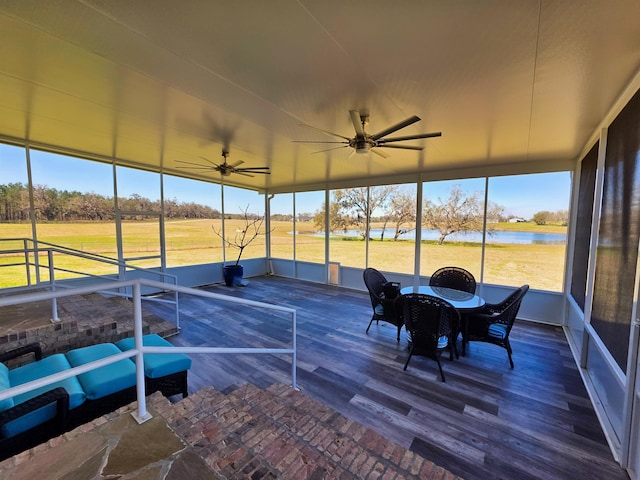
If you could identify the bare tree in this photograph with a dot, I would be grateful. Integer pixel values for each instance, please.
(460, 212)
(337, 221)
(251, 229)
(402, 212)
(354, 205)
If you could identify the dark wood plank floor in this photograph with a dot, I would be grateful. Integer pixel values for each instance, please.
(486, 422)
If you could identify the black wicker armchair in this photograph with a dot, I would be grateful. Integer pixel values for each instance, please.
(453, 277)
(456, 278)
(493, 324)
(430, 322)
(383, 305)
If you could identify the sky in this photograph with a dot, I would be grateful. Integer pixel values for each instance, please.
(521, 195)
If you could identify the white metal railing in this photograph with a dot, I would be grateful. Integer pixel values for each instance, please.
(140, 350)
(50, 249)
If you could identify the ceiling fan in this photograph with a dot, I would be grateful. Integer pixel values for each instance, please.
(225, 168)
(365, 143)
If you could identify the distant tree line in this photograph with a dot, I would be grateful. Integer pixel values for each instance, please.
(51, 204)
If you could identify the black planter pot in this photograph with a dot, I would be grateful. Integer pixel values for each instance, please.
(233, 275)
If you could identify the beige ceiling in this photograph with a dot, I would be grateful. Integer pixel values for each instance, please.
(508, 82)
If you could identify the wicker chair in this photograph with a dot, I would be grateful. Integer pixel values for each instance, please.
(430, 322)
(493, 324)
(383, 308)
(453, 277)
(456, 278)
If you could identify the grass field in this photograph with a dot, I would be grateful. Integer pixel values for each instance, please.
(193, 242)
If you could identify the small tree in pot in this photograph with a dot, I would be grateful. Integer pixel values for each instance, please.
(247, 233)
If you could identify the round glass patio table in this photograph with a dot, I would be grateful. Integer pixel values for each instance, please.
(461, 301)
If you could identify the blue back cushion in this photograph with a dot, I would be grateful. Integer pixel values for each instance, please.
(158, 365)
(105, 380)
(33, 371)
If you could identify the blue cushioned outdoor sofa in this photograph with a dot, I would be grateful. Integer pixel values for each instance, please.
(36, 416)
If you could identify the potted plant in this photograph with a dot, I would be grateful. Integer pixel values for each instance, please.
(247, 233)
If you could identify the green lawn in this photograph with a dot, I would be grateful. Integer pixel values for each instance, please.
(193, 242)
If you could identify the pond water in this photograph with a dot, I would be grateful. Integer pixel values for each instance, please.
(475, 237)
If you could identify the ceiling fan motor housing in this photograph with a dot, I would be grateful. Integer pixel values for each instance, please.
(362, 144)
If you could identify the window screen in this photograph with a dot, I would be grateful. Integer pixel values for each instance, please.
(583, 225)
(617, 249)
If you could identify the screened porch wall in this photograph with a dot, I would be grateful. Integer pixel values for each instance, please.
(602, 301)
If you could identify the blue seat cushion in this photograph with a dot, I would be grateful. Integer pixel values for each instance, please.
(158, 365)
(498, 330)
(105, 380)
(4, 384)
(379, 310)
(33, 371)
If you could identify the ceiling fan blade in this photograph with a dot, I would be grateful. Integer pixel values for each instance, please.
(244, 174)
(208, 161)
(314, 141)
(410, 137)
(379, 153)
(236, 163)
(403, 147)
(246, 169)
(357, 122)
(191, 163)
(328, 149)
(198, 168)
(326, 132)
(397, 126)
